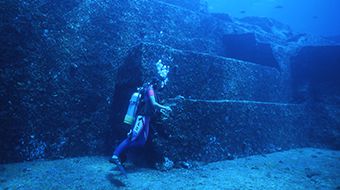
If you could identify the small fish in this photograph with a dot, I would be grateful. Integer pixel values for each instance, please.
(315, 17)
(242, 12)
(279, 7)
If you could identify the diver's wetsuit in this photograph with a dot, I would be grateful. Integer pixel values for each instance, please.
(139, 139)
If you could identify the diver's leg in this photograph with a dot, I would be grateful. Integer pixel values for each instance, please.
(115, 158)
(121, 147)
(135, 142)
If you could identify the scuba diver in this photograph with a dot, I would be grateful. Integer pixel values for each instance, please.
(142, 107)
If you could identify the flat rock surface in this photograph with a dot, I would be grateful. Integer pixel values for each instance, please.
(306, 168)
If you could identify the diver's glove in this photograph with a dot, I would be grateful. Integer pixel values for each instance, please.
(167, 108)
(165, 112)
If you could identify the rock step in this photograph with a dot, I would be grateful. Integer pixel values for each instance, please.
(135, 21)
(186, 44)
(232, 101)
(193, 5)
(203, 76)
(158, 22)
(216, 130)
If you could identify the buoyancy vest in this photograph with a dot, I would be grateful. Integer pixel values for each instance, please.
(139, 124)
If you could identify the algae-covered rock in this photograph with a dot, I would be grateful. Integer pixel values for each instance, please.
(68, 69)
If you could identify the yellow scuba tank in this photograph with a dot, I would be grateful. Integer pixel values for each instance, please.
(132, 109)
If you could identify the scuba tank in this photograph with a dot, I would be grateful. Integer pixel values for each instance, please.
(132, 109)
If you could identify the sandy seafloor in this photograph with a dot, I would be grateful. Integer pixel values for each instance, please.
(306, 168)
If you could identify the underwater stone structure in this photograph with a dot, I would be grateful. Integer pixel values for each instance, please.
(203, 76)
(68, 69)
(195, 5)
(219, 105)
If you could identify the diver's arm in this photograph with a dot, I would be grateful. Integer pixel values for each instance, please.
(156, 104)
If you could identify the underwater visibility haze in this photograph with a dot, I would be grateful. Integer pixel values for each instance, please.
(169, 94)
(317, 17)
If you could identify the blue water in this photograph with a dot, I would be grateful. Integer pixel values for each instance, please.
(319, 17)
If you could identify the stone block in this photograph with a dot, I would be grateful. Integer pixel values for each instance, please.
(216, 130)
(202, 76)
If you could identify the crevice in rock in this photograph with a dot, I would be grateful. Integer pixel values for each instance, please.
(315, 74)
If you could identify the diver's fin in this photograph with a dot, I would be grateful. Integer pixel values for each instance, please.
(122, 170)
(116, 161)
